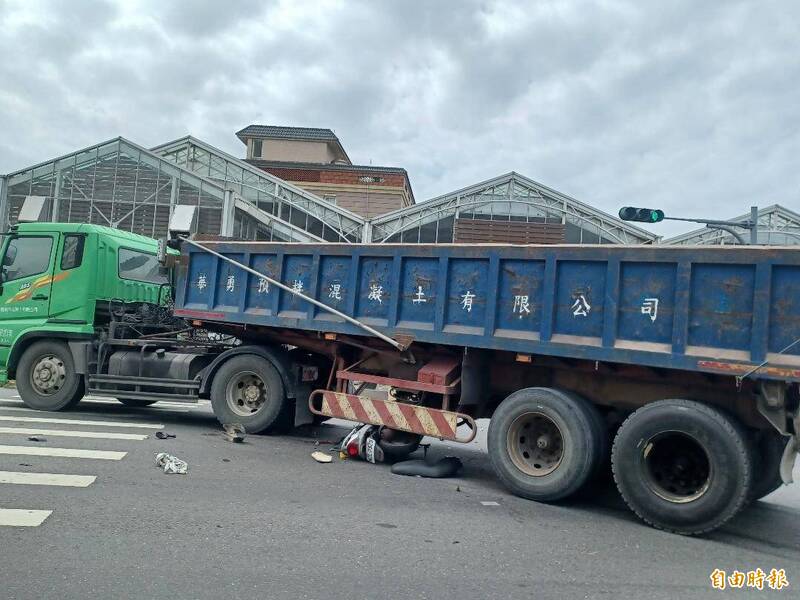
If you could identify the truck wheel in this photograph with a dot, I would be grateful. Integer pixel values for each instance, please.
(247, 389)
(544, 443)
(768, 450)
(134, 403)
(682, 466)
(46, 377)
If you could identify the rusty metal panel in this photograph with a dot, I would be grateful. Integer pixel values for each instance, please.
(670, 307)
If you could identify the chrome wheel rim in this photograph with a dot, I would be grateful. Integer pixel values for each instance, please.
(48, 375)
(245, 394)
(535, 444)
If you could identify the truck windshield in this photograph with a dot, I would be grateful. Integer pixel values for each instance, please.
(140, 266)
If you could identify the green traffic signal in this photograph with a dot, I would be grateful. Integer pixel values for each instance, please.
(642, 215)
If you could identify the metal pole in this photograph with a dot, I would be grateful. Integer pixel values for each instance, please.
(313, 301)
(754, 223)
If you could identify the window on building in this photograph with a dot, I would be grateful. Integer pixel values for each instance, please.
(26, 256)
(140, 266)
(72, 254)
(329, 198)
(257, 148)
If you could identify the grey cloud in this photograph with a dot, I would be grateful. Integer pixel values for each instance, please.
(691, 106)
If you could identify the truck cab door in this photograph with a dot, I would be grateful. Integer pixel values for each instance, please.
(26, 275)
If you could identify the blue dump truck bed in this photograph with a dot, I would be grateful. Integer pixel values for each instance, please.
(713, 309)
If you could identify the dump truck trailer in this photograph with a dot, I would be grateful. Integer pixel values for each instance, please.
(675, 367)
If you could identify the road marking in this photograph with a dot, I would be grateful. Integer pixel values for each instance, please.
(19, 517)
(490, 503)
(80, 422)
(58, 479)
(61, 452)
(99, 435)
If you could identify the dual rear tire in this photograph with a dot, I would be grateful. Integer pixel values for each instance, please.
(680, 465)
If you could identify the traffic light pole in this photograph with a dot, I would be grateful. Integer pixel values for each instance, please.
(729, 226)
(650, 215)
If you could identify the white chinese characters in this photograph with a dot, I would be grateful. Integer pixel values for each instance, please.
(297, 286)
(263, 286)
(376, 293)
(202, 282)
(521, 306)
(650, 308)
(581, 307)
(335, 291)
(466, 301)
(230, 283)
(419, 297)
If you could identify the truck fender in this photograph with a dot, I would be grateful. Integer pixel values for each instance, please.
(76, 341)
(278, 357)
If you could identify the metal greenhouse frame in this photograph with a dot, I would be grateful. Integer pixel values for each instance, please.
(507, 197)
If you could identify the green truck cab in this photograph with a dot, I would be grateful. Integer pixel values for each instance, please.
(58, 286)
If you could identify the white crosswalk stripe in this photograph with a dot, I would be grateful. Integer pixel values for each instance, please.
(81, 422)
(99, 435)
(19, 420)
(61, 452)
(20, 517)
(58, 479)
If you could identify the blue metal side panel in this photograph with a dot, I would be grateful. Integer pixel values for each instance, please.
(580, 292)
(519, 299)
(297, 274)
(646, 302)
(374, 291)
(467, 295)
(418, 294)
(687, 308)
(229, 281)
(334, 285)
(784, 314)
(721, 306)
(260, 294)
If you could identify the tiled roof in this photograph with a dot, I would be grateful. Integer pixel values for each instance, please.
(281, 164)
(288, 133)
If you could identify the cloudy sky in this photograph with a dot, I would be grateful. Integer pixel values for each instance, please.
(687, 105)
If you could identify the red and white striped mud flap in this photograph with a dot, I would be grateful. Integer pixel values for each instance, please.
(433, 422)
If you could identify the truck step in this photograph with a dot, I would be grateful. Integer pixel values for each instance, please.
(442, 424)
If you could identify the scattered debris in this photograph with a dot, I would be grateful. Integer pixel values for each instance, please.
(171, 464)
(490, 503)
(226, 460)
(444, 467)
(33, 438)
(163, 435)
(234, 432)
(321, 457)
(24, 465)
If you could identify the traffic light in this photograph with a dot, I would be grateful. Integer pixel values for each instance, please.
(643, 215)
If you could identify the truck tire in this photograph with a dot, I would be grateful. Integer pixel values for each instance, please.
(544, 443)
(768, 449)
(247, 389)
(682, 466)
(134, 403)
(46, 377)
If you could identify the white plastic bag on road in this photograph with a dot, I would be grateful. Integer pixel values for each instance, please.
(171, 464)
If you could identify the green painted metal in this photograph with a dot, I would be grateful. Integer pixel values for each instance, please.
(62, 302)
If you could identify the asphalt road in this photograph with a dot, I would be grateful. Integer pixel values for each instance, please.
(262, 519)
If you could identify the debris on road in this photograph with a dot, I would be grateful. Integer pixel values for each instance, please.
(444, 467)
(321, 457)
(163, 435)
(171, 464)
(234, 432)
(33, 438)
